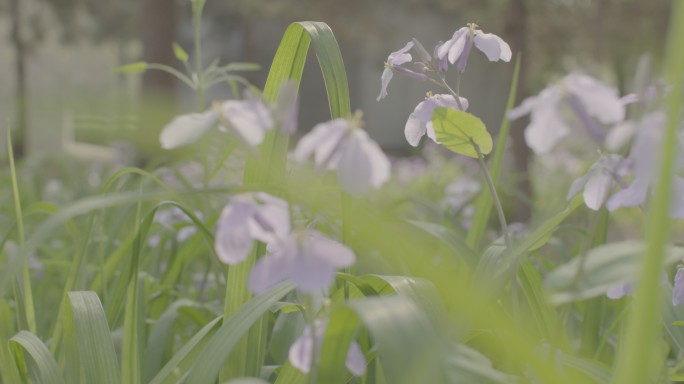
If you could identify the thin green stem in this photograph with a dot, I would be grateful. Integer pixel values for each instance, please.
(495, 196)
(23, 284)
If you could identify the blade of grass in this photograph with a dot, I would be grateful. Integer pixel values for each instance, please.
(22, 289)
(268, 166)
(34, 359)
(8, 369)
(96, 350)
(635, 361)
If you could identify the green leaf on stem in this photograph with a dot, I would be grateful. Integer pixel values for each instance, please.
(180, 53)
(137, 67)
(458, 131)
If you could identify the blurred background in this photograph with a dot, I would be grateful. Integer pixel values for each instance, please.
(60, 91)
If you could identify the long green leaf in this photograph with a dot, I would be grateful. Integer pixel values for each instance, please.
(8, 369)
(183, 360)
(634, 365)
(601, 268)
(34, 359)
(96, 349)
(212, 359)
(268, 166)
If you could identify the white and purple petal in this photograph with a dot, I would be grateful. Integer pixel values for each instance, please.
(186, 129)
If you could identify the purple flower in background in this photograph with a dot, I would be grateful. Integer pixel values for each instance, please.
(249, 119)
(341, 145)
(250, 217)
(588, 100)
(644, 159)
(618, 291)
(678, 290)
(458, 47)
(394, 62)
(302, 349)
(599, 180)
(186, 129)
(420, 121)
(307, 258)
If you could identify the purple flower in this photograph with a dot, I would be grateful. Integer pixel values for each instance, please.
(599, 180)
(644, 159)
(458, 47)
(186, 129)
(678, 290)
(302, 349)
(588, 100)
(250, 217)
(618, 291)
(393, 63)
(248, 119)
(307, 258)
(420, 121)
(340, 145)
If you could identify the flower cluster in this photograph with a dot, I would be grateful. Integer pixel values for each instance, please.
(433, 68)
(305, 257)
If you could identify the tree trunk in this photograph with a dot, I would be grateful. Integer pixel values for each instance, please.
(516, 34)
(158, 32)
(19, 133)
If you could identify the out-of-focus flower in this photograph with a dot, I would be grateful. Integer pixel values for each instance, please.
(248, 119)
(618, 291)
(419, 122)
(250, 217)
(599, 180)
(678, 290)
(341, 145)
(186, 129)
(461, 192)
(307, 258)
(644, 159)
(393, 63)
(459, 46)
(301, 351)
(578, 95)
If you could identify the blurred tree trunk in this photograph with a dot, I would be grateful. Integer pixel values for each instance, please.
(19, 133)
(157, 33)
(516, 35)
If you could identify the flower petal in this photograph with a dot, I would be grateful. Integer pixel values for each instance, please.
(492, 46)
(355, 167)
(401, 56)
(185, 129)
(678, 290)
(271, 270)
(414, 130)
(301, 351)
(600, 100)
(547, 125)
(385, 80)
(453, 47)
(356, 361)
(632, 196)
(233, 240)
(250, 119)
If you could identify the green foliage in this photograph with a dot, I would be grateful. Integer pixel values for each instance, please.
(460, 132)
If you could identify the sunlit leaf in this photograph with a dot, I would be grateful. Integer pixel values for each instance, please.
(137, 67)
(460, 131)
(180, 53)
